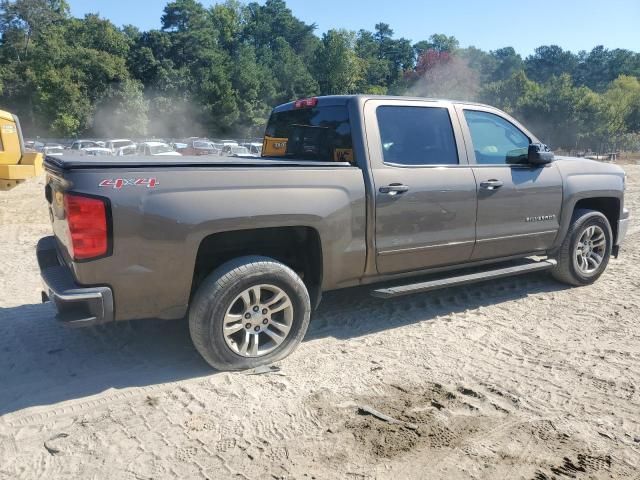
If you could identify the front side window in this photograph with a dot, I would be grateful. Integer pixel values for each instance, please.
(417, 136)
(495, 140)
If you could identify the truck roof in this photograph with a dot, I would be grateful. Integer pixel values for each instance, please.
(344, 99)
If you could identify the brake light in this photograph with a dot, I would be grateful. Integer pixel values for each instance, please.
(306, 102)
(87, 222)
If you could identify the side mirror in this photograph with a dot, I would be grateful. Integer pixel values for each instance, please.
(539, 154)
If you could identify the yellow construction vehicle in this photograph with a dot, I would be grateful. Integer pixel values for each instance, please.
(16, 164)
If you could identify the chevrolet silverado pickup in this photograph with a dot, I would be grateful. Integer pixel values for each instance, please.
(409, 194)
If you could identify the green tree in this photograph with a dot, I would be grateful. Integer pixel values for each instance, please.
(220, 69)
(438, 42)
(549, 61)
(622, 107)
(266, 23)
(292, 77)
(24, 21)
(338, 69)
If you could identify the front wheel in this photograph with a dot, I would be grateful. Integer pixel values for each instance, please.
(249, 312)
(586, 249)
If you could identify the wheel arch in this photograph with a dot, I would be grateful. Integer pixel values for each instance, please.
(609, 203)
(298, 247)
(608, 206)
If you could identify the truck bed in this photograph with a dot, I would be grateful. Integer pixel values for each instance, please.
(163, 212)
(71, 162)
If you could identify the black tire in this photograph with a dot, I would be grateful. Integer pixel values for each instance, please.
(567, 270)
(215, 296)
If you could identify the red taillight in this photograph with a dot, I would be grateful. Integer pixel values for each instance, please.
(306, 102)
(87, 221)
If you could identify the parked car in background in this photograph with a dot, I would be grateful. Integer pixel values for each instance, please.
(33, 145)
(157, 149)
(82, 144)
(239, 151)
(227, 145)
(255, 148)
(121, 147)
(53, 149)
(199, 147)
(179, 145)
(97, 151)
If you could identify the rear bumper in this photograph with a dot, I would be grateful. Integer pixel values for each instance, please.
(77, 306)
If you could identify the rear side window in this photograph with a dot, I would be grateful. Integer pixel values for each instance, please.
(320, 133)
(495, 140)
(417, 135)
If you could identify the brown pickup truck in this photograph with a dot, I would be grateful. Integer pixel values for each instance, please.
(409, 194)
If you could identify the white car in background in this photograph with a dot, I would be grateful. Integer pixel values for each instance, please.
(227, 145)
(53, 150)
(83, 144)
(255, 148)
(238, 151)
(122, 146)
(157, 149)
(97, 151)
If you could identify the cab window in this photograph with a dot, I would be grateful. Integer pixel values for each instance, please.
(321, 133)
(495, 140)
(415, 136)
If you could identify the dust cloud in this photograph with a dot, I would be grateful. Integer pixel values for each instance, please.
(453, 80)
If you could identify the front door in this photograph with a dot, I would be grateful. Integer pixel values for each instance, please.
(425, 191)
(518, 204)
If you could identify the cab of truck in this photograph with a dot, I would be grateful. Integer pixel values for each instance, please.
(16, 163)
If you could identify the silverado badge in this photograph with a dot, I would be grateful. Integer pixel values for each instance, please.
(541, 218)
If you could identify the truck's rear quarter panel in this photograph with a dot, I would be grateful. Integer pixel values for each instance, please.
(157, 231)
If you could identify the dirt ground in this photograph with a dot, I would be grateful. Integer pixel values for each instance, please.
(521, 378)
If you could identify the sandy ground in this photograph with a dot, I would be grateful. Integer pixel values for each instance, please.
(520, 378)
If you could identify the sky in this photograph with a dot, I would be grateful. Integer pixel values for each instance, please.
(487, 24)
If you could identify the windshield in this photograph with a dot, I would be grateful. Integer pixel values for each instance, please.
(155, 150)
(203, 145)
(121, 144)
(320, 133)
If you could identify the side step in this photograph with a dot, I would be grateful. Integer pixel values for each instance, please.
(455, 281)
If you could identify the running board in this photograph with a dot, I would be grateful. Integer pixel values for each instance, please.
(445, 282)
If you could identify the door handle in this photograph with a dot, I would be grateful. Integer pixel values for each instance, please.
(394, 189)
(491, 184)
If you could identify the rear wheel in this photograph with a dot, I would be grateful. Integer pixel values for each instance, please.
(249, 312)
(586, 249)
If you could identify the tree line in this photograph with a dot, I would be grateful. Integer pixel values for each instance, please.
(219, 70)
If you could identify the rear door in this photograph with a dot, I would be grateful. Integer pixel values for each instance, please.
(425, 191)
(518, 204)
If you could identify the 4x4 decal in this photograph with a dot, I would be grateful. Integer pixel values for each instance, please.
(118, 183)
